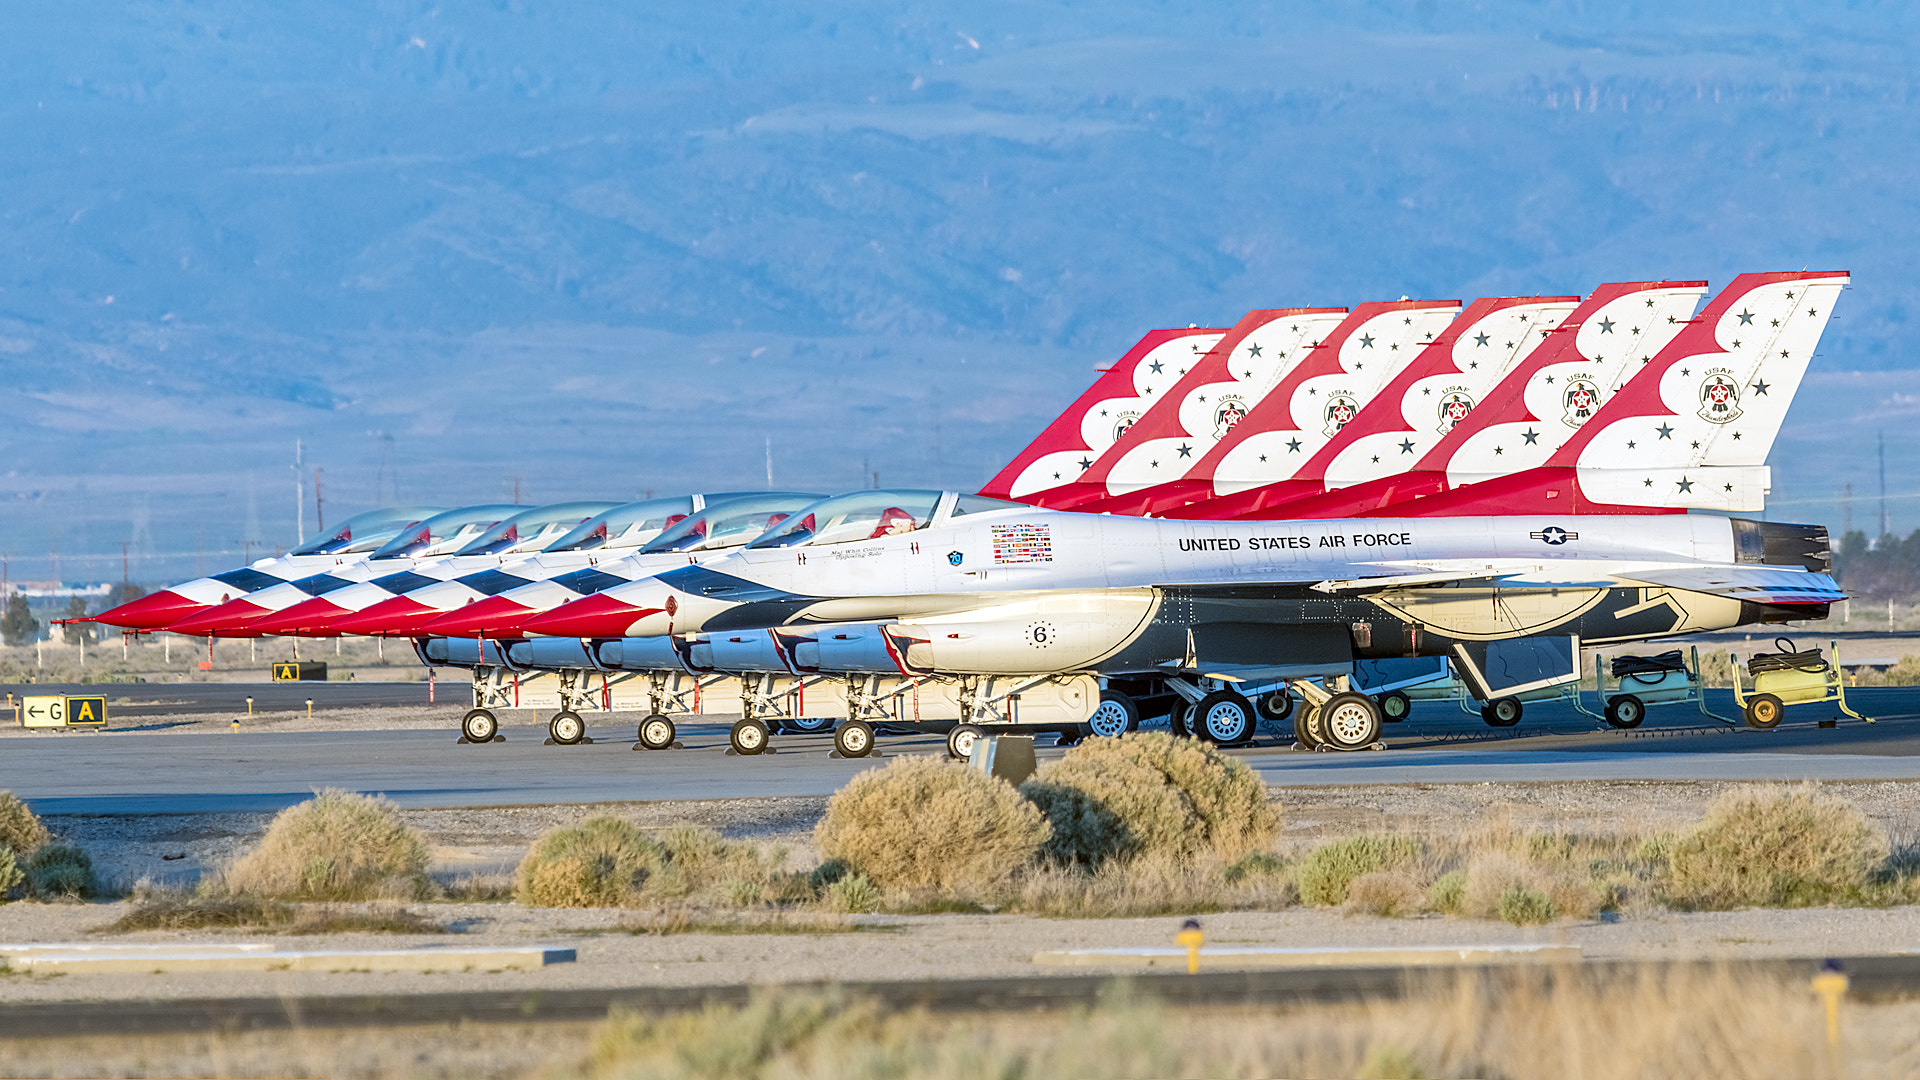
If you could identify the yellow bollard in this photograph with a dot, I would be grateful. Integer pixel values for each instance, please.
(1831, 985)
(1191, 936)
(309, 708)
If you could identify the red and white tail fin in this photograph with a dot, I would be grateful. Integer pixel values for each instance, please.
(1312, 403)
(1209, 402)
(1692, 428)
(1077, 438)
(1536, 406)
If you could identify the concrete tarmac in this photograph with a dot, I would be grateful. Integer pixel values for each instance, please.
(151, 772)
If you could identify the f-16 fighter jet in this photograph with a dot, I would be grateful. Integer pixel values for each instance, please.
(354, 541)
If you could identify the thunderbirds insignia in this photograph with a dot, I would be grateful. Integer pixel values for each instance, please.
(1719, 399)
(1228, 412)
(1340, 410)
(1124, 422)
(1579, 401)
(1454, 407)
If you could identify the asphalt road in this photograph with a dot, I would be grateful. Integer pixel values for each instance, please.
(197, 699)
(169, 772)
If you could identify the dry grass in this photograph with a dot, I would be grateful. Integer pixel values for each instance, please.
(252, 913)
(1323, 876)
(1776, 846)
(1147, 886)
(1385, 893)
(1150, 793)
(608, 862)
(1683, 1024)
(21, 830)
(924, 825)
(691, 920)
(336, 846)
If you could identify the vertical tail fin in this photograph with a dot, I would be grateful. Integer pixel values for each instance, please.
(1077, 437)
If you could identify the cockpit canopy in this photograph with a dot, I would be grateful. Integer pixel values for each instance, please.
(532, 530)
(870, 515)
(364, 532)
(731, 523)
(445, 533)
(636, 523)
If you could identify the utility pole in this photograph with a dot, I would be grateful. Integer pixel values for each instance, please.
(1883, 483)
(319, 507)
(516, 489)
(300, 492)
(125, 576)
(769, 439)
(1846, 509)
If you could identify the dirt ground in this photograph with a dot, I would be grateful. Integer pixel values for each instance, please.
(491, 840)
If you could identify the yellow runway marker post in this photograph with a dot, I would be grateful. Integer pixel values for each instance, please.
(1191, 936)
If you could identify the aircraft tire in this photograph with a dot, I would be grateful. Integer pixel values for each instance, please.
(1116, 715)
(1276, 706)
(806, 725)
(1764, 712)
(853, 738)
(1394, 706)
(1625, 711)
(1502, 712)
(1306, 727)
(566, 728)
(1350, 721)
(961, 739)
(479, 726)
(749, 737)
(1224, 718)
(1177, 718)
(656, 733)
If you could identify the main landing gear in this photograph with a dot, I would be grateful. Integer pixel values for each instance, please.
(480, 726)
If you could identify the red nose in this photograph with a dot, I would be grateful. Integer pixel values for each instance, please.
(151, 612)
(231, 619)
(494, 617)
(596, 616)
(308, 618)
(393, 617)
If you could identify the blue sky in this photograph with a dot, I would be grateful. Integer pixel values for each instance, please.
(611, 251)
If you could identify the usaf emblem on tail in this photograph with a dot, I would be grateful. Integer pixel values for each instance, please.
(1582, 396)
(1719, 399)
(1341, 409)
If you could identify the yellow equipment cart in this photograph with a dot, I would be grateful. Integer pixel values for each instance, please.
(1790, 677)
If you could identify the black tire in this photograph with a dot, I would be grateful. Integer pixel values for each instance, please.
(1224, 718)
(1350, 721)
(479, 726)
(807, 725)
(1115, 715)
(1764, 712)
(1306, 727)
(566, 728)
(1177, 720)
(1625, 711)
(656, 733)
(853, 738)
(1276, 706)
(961, 739)
(749, 737)
(1502, 712)
(1394, 706)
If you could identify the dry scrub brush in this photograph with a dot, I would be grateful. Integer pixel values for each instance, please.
(1323, 876)
(20, 828)
(339, 845)
(1776, 846)
(923, 824)
(607, 862)
(1147, 792)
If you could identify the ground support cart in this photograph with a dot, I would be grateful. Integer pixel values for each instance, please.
(1790, 678)
(1643, 681)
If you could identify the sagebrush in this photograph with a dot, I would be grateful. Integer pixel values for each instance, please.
(1147, 792)
(1325, 873)
(339, 845)
(925, 824)
(21, 830)
(1776, 846)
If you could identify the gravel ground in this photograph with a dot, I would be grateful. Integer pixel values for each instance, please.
(491, 840)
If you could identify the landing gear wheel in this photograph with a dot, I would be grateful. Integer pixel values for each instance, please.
(1116, 715)
(806, 725)
(1178, 718)
(1394, 706)
(1626, 711)
(656, 733)
(853, 738)
(1764, 711)
(479, 726)
(1350, 721)
(749, 737)
(1224, 718)
(1501, 712)
(961, 739)
(1306, 727)
(1276, 706)
(566, 728)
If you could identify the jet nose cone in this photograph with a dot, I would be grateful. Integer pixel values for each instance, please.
(151, 612)
(230, 619)
(308, 618)
(494, 617)
(394, 617)
(596, 616)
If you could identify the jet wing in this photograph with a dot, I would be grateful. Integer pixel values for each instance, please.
(1759, 584)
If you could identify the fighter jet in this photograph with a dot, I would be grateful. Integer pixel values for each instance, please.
(354, 541)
